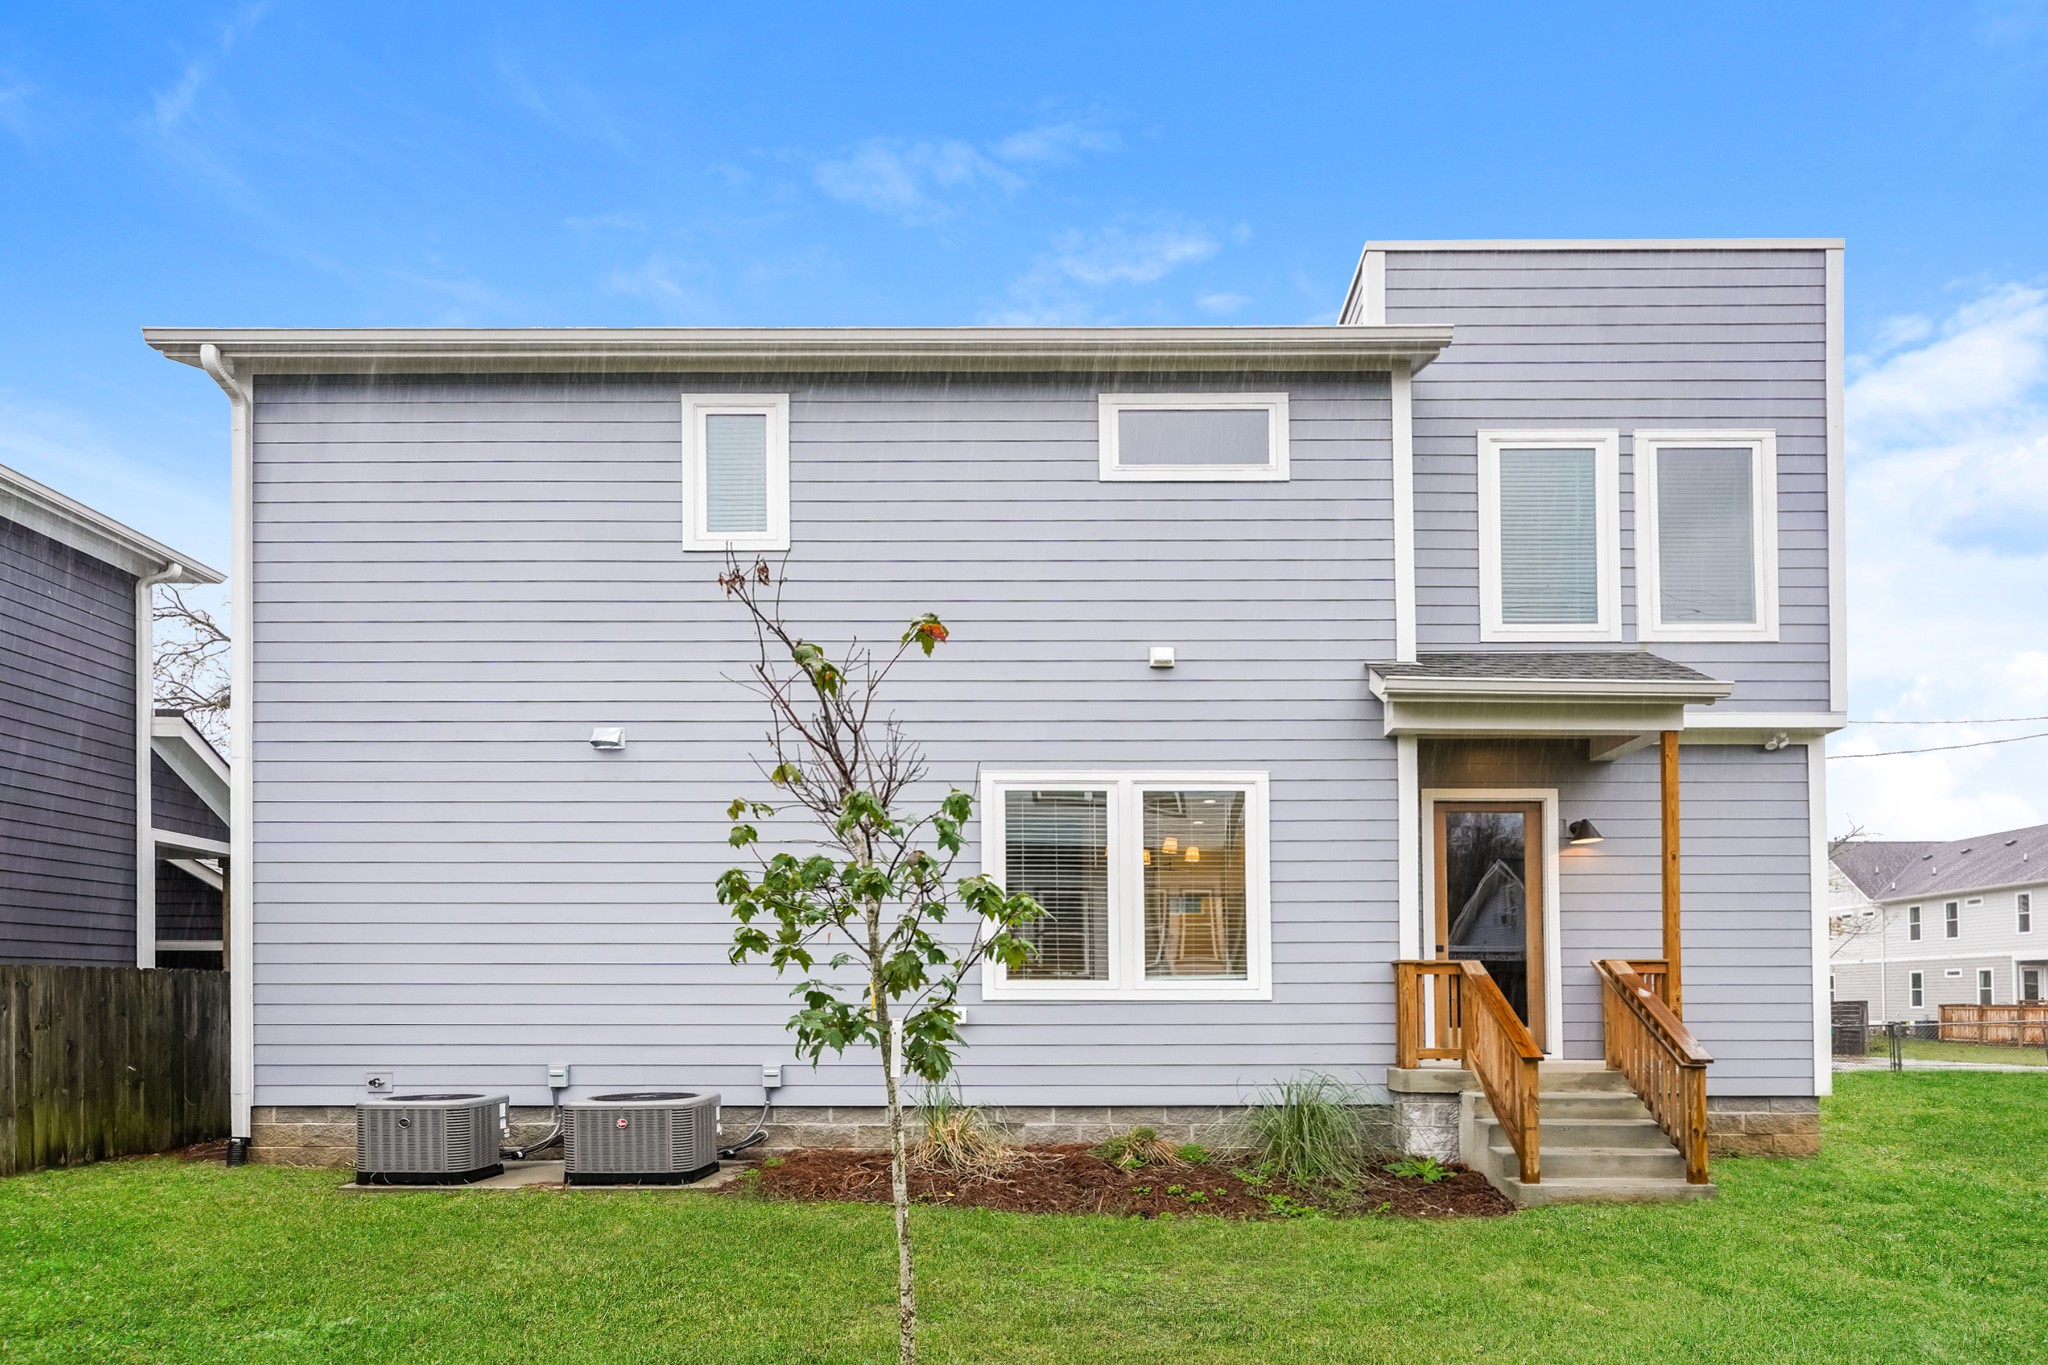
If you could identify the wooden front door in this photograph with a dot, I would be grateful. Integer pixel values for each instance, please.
(1490, 857)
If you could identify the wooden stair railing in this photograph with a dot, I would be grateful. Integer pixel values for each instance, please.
(1656, 974)
(1665, 1065)
(1470, 1021)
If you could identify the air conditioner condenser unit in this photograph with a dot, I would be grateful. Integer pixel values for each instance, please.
(440, 1139)
(640, 1137)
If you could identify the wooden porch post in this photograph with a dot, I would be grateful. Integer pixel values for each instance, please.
(1672, 978)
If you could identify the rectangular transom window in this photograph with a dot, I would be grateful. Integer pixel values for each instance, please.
(1193, 437)
(1706, 515)
(736, 471)
(1549, 535)
(1154, 884)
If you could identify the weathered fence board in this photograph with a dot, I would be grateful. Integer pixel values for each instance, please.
(2024, 1025)
(109, 1061)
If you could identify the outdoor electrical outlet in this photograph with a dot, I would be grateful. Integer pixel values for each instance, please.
(771, 1075)
(558, 1075)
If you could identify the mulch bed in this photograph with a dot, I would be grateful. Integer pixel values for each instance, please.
(1071, 1178)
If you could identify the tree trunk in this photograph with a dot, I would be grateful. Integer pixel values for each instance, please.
(899, 1166)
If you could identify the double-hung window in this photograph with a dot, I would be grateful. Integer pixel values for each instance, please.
(1952, 920)
(1549, 535)
(1916, 989)
(1193, 437)
(736, 471)
(1913, 923)
(2026, 912)
(1706, 518)
(1154, 885)
(1984, 986)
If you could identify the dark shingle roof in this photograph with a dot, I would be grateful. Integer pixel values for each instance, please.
(1900, 870)
(1550, 666)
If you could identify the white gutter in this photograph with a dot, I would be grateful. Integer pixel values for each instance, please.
(240, 935)
(145, 746)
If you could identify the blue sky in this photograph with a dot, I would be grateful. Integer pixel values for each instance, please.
(299, 164)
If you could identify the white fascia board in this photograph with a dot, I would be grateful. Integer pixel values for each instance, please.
(198, 871)
(1614, 244)
(900, 349)
(70, 522)
(1793, 723)
(178, 743)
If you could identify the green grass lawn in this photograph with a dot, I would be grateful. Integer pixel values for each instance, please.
(1920, 1235)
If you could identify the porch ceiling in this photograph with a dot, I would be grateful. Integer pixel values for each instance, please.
(1565, 693)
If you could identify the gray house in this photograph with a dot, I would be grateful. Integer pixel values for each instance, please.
(1917, 925)
(1265, 639)
(113, 817)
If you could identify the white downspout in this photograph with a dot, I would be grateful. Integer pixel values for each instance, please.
(145, 721)
(241, 939)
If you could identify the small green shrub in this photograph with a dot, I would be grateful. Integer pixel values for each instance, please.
(955, 1137)
(1193, 1153)
(1286, 1206)
(1306, 1130)
(1139, 1147)
(1427, 1169)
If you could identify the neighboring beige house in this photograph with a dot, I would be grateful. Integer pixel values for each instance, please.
(1913, 926)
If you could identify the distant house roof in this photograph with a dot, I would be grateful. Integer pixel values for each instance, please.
(1894, 870)
(1573, 666)
(66, 520)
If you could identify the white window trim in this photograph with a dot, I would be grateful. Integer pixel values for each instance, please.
(1606, 446)
(698, 406)
(1916, 990)
(1127, 885)
(1763, 539)
(1915, 917)
(2023, 912)
(1108, 405)
(1987, 984)
(1951, 919)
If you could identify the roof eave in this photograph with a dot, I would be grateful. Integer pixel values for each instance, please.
(1703, 692)
(70, 522)
(1049, 349)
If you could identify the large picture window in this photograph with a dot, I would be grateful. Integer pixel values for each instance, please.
(1706, 515)
(1154, 885)
(736, 471)
(1549, 533)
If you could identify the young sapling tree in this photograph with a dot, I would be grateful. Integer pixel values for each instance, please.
(860, 907)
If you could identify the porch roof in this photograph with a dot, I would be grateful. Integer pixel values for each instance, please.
(1510, 692)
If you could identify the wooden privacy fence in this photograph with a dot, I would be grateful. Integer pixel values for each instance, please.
(109, 1061)
(2023, 1025)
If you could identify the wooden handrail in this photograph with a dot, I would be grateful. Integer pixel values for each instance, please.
(1665, 1065)
(1656, 974)
(1501, 1053)
(1428, 1012)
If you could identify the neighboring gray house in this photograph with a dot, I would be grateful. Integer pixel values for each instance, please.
(1461, 558)
(85, 880)
(1921, 925)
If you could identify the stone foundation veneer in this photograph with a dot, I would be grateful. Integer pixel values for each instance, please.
(1765, 1126)
(326, 1136)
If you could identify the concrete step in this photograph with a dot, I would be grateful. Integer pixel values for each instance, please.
(1576, 1104)
(1602, 1132)
(1565, 1190)
(1554, 1077)
(1597, 1163)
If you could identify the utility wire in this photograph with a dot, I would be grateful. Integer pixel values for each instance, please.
(1943, 748)
(1999, 720)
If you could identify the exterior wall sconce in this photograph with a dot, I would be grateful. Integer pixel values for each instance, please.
(1161, 656)
(1582, 832)
(608, 738)
(1776, 742)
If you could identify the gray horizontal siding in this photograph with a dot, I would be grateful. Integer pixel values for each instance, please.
(67, 754)
(1625, 339)
(186, 908)
(1746, 887)
(454, 580)
(176, 807)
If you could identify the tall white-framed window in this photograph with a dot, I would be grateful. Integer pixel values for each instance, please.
(736, 471)
(1156, 885)
(1706, 519)
(1952, 920)
(2030, 983)
(1192, 437)
(1984, 986)
(1916, 989)
(1913, 923)
(1549, 535)
(2024, 905)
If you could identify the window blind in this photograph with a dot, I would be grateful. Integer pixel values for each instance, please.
(1217, 437)
(1706, 551)
(1549, 538)
(735, 473)
(1056, 850)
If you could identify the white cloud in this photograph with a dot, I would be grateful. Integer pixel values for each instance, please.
(928, 181)
(1065, 285)
(1222, 303)
(1948, 577)
(662, 281)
